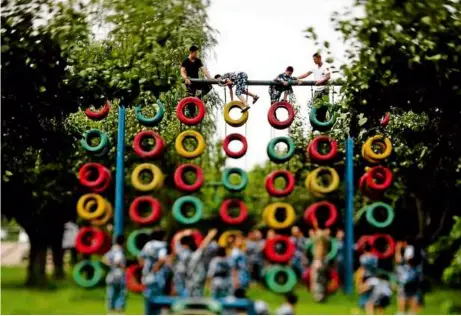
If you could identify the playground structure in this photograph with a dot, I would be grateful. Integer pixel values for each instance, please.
(97, 211)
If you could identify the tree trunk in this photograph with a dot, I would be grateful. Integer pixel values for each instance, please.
(36, 270)
(58, 254)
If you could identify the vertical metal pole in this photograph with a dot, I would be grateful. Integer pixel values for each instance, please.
(120, 173)
(349, 215)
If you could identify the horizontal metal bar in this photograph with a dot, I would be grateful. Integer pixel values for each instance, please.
(269, 82)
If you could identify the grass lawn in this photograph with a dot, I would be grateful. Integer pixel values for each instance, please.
(67, 298)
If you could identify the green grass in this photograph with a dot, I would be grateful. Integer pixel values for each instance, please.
(67, 298)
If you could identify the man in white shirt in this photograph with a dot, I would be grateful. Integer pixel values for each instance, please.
(322, 75)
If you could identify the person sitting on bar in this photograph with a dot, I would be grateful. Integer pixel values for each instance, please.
(322, 76)
(240, 80)
(283, 85)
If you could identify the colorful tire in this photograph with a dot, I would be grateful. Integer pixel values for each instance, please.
(271, 220)
(271, 279)
(272, 118)
(133, 283)
(222, 241)
(154, 152)
(310, 215)
(154, 215)
(84, 207)
(105, 184)
(106, 217)
(333, 285)
(179, 178)
(150, 121)
(87, 170)
(312, 184)
(157, 177)
(197, 235)
(313, 149)
(389, 250)
(102, 143)
(274, 156)
(132, 244)
(224, 212)
(178, 207)
(271, 252)
(371, 218)
(234, 187)
(385, 119)
(181, 150)
(367, 149)
(194, 120)
(386, 175)
(97, 115)
(235, 154)
(96, 278)
(333, 249)
(318, 125)
(270, 183)
(238, 122)
(89, 240)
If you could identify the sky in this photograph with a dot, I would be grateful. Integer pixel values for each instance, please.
(262, 38)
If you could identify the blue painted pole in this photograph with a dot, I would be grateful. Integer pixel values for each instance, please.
(349, 218)
(120, 173)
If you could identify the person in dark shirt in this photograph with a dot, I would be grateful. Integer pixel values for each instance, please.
(283, 80)
(190, 68)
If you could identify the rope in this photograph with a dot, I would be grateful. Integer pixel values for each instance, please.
(225, 102)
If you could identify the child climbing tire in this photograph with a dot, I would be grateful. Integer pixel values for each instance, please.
(152, 121)
(194, 120)
(154, 152)
(270, 249)
(272, 118)
(227, 218)
(271, 277)
(281, 158)
(182, 151)
(100, 114)
(270, 183)
(234, 187)
(235, 154)
(178, 206)
(136, 241)
(97, 275)
(313, 149)
(181, 183)
(318, 125)
(310, 214)
(154, 214)
(89, 240)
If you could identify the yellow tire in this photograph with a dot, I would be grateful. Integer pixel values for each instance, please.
(157, 177)
(108, 213)
(241, 120)
(86, 203)
(290, 215)
(316, 188)
(222, 241)
(181, 150)
(358, 277)
(386, 146)
(366, 157)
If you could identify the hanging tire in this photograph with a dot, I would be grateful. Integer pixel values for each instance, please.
(154, 152)
(154, 215)
(272, 118)
(271, 252)
(150, 121)
(89, 240)
(310, 215)
(178, 207)
(235, 154)
(314, 153)
(271, 279)
(224, 212)
(179, 178)
(276, 157)
(100, 114)
(270, 183)
(194, 120)
(234, 187)
(97, 276)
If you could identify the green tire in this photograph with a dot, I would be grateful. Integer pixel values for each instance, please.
(271, 279)
(98, 148)
(333, 249)
(318, 125)
(150, 121)
(131, 244)
(211, 307)
(234, 187)
(274, 156)
(95, 280)
(177, 210)
(371, 211)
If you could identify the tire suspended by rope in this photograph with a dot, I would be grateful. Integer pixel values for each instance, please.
(133, 278)
(280, 279)
(182, 106)
(235, 137)
(178, 210)
(311, 213)
(136, 241)
(91, 240)
(235, 122)
(95, 177)
(376, 148)
(271, 249)
(314, 149)
(317, 188)
(155, 152)
(179, 178)
(277, 157)
(272, 117)
(101, 148)
(270, 218)
(150, 121)
(375, 181)
(182, 151)
(231, 186)
(156, 181)
(224, 212)
(100, 114)
(321, 126)
(288, 188)
(155, 210)
(94, 269)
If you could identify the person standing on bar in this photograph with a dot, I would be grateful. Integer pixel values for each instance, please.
(283, 85)
(190, 68)
(322, 76)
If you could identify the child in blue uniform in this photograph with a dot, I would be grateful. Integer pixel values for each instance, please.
(377, 291)
(239, 263)
(115, 280)
(254, 251)
(153, 257)
(182, 254)
(299, 259)
(368, 261)
(219, 274)
(409, 281)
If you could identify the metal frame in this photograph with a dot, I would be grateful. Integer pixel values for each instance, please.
(268, 82)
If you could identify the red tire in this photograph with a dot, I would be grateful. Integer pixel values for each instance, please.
(154, 152)
(89, 240)
(390, 245)
(107, 244)
(105, 184)
(385, 119)
(179, 178)
(235, 154)
(333, 285)
(198, 237)
(310, 215)
(99, 114)
(272, 118)
(313, 149)
(224, 212)
(154, 215)
(87, 170)
(270, 183)
(133, 280)
(381, 173)
(271, 253)
(366, 190)
(180, 111)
